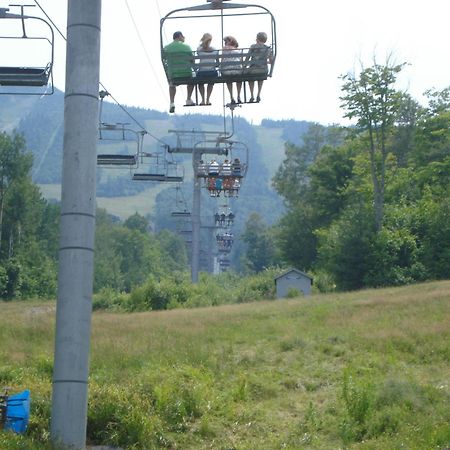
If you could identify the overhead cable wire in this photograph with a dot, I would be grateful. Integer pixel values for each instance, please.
(148, 58)
(106, 90)
(145, 50)
(183, 198)
(50, 20)
(160, 16)
(142, 127)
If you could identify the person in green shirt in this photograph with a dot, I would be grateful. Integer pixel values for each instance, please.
(179, 59)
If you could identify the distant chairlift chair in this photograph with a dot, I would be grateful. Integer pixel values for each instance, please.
(165, 171)
(115, 134)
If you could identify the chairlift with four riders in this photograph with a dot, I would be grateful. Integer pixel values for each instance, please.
(216, 10)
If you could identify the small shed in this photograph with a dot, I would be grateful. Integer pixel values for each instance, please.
(293, 279)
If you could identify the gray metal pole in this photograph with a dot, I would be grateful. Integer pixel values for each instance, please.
(210, 250)
(196, 155)
(77, 229)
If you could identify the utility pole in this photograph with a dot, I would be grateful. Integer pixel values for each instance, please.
(77, 228)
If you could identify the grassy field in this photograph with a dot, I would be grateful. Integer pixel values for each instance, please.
(363, 370)
(123, 207)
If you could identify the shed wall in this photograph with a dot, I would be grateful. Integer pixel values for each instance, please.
(295, 281)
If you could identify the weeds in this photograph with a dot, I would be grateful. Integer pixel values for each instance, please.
(358, 397)
(328, 374)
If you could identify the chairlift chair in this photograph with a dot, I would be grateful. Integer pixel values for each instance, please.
(32, 80)
(204, 142)
(224, 263)
(220, 12)
(119, 135)
(182, 214)
(167, 171)
(226, 177)
(224, 242)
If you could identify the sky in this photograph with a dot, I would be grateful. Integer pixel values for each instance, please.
(317, 42)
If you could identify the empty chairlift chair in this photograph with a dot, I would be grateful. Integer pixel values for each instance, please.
(27, 68)
(181, 214)
(123, 145)
(162, 171)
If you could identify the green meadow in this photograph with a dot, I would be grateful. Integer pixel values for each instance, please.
(361, 370)
(123, 207)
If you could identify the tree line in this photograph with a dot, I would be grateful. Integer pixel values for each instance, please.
(126, 253)
(366, 205)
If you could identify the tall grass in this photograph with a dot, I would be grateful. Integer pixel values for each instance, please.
(365, 370)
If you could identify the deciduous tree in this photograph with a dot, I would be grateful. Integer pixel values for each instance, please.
(260, 252)
(371, 99)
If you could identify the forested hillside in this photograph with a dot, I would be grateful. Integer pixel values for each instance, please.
(34, 130)
(40, 120)
(364, 206)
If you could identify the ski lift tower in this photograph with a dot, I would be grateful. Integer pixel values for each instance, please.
(77, 227)
(198, 143)
(209, 252)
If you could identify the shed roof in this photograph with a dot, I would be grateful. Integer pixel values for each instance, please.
(286, 272)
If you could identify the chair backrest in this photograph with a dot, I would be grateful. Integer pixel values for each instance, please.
(229, 67)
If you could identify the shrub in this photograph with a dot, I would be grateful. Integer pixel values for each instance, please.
(257, 287)
(108, 298)
(358, 402)
(10, 441)
(177, 291)
(120, 416)
(3, 281)
(323, 282)
(386, 421)
(167, 293)
(39, 424)
(140, 297)
(293, 293)
(402, 393)
(394, 259)
(181, 397)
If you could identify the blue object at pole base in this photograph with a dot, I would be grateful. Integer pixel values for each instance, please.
(18, 412)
